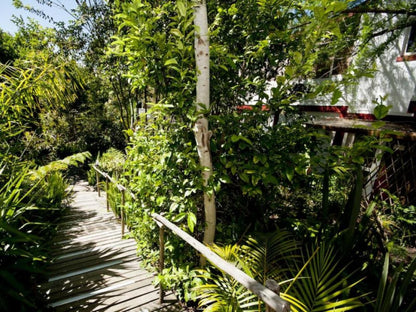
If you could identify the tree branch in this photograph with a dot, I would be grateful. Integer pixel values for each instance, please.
(389, 30)
(381, 11)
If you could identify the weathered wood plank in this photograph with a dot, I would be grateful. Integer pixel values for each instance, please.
(87, 283)
(97, 235)
(120, 297)
(88, 260)
(91, 251)
(94, 269)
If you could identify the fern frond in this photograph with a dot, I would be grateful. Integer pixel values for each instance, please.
(59, 165)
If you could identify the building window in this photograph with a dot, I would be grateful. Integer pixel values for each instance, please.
(409, 47)
(411, 42)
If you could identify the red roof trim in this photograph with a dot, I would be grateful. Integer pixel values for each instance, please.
(341, 110)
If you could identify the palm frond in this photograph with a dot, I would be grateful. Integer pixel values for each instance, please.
(221, 292)
(326, 286)
(60, 165)
(268, 255)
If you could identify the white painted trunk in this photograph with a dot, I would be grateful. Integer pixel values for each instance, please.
(202, 134)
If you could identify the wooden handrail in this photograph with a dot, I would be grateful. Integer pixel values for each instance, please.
(272, 299)
(268, 296)
(119, 186)
(104, 174)
(121, 189)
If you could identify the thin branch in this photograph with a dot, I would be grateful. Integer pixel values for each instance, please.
(389, 30)
(381, 11)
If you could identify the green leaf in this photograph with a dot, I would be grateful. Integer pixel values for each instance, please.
(234, 138)
(181, 8)
(336, 96)
(176, 32)
(171, 61)
(173, 207)
(179, 217)
(297, 56)
(225, 179)
(160, 200)
(381, 111)
(244, 177)
(191, 221)
(289, 172)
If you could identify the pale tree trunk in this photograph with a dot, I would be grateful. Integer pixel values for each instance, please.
(202, 134)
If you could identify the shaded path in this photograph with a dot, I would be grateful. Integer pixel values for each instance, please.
(94, 269)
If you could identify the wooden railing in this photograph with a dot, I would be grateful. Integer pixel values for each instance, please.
(121, 189)
(269, 295)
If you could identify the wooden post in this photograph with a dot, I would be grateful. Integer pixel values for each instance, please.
(97, 175)
(123, 201)
(106, 193)
(161, 259)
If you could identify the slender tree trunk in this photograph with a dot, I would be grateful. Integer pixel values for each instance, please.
(202, 134)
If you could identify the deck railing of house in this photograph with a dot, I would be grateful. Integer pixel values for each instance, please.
(269, 295)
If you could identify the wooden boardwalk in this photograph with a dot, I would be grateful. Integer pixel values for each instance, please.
(94, 269)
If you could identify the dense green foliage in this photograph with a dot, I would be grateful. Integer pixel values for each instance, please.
(267, 166)
(162, 171)
(80, 87)
(315, 282)
(31, 196)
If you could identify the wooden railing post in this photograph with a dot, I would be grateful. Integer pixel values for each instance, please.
(123, 201)
(97, 175)
(161, 259)
(106, 193)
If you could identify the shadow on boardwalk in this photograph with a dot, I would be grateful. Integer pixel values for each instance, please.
(94, 269)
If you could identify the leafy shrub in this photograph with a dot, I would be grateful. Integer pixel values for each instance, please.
(396, 288)
(181, 280)
(92, 176)
(114, 199)
(30, 201)
(162, 170)
(112, 162)
(397, 220)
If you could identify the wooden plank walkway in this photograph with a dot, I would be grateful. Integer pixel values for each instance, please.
(94, 269)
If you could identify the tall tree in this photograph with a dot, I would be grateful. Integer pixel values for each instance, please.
(202, 134)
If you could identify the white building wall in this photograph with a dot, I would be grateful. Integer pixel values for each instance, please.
(392, 78)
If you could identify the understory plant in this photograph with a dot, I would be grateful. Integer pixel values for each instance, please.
(397, 222)
(112, 162)
(162, 171)
(311, 279)
(396, 288)
(31, 197)
(30, 202)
